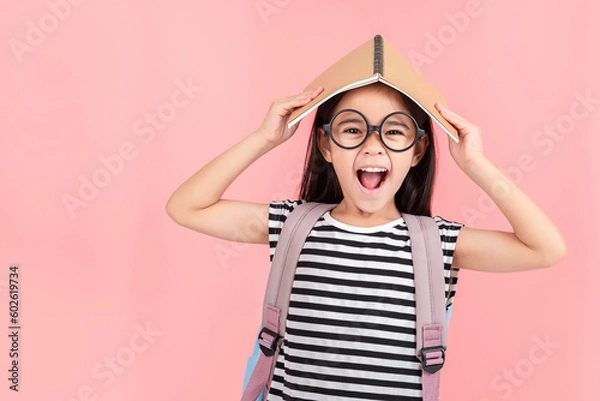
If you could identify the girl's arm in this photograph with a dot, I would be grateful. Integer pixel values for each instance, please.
(197, 203)
(535, 242)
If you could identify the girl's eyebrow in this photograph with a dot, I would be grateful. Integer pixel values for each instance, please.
(350, 120)
(398, 123)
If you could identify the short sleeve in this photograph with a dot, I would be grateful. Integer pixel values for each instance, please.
(278, 214)
(449, 231)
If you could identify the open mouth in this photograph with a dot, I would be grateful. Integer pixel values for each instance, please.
(371, 177)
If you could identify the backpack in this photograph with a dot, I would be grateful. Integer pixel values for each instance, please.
(432, 319)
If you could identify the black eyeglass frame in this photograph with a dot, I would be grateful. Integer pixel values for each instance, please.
(371, 128)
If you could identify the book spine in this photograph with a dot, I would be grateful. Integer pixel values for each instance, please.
(378, 55)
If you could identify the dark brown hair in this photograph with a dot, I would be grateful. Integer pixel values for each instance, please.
(320, 183)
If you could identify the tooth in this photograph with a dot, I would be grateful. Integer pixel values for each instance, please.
(374, 169)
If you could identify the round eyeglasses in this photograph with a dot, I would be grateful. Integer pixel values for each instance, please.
(398, 131)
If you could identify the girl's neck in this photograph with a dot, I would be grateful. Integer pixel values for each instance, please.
(352, 215)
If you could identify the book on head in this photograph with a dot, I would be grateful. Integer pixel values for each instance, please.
(376, 61)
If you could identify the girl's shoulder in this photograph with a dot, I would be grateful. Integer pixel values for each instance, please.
(281, 209)
(278, 214)
(445, 224)
(449, 229)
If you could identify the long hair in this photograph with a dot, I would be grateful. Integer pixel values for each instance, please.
(320, 183)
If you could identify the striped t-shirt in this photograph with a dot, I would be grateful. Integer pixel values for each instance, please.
(350, 330)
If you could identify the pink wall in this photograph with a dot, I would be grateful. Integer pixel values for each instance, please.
(98, 266)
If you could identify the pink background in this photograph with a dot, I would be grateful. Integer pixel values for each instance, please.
(94, 274)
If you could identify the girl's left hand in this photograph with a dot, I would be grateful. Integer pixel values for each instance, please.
(469, 148)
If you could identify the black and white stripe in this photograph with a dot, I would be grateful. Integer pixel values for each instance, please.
(350, 333)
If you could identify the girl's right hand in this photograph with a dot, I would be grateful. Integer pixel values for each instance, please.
(274, 128)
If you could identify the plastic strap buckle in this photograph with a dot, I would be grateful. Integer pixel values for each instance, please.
(273, 342)
(425, 357)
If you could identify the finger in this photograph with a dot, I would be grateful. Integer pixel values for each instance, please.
(448, 112)
(314, 92)
(297, 100)
(459, 123)
(317, 91)
(453, 118)
(311, 93)
(286, 107)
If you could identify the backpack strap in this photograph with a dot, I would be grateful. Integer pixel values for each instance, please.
(431, 324)
(279, 287)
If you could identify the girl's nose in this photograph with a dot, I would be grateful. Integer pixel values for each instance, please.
(373, 143)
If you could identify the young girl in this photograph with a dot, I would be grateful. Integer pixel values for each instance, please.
(350, 332)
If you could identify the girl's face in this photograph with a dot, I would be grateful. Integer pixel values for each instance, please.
(371, 174)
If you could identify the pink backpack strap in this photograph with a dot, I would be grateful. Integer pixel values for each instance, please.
(277, 297)
(431, 324)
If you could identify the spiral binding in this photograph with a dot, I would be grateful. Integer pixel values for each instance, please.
(378, 55)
